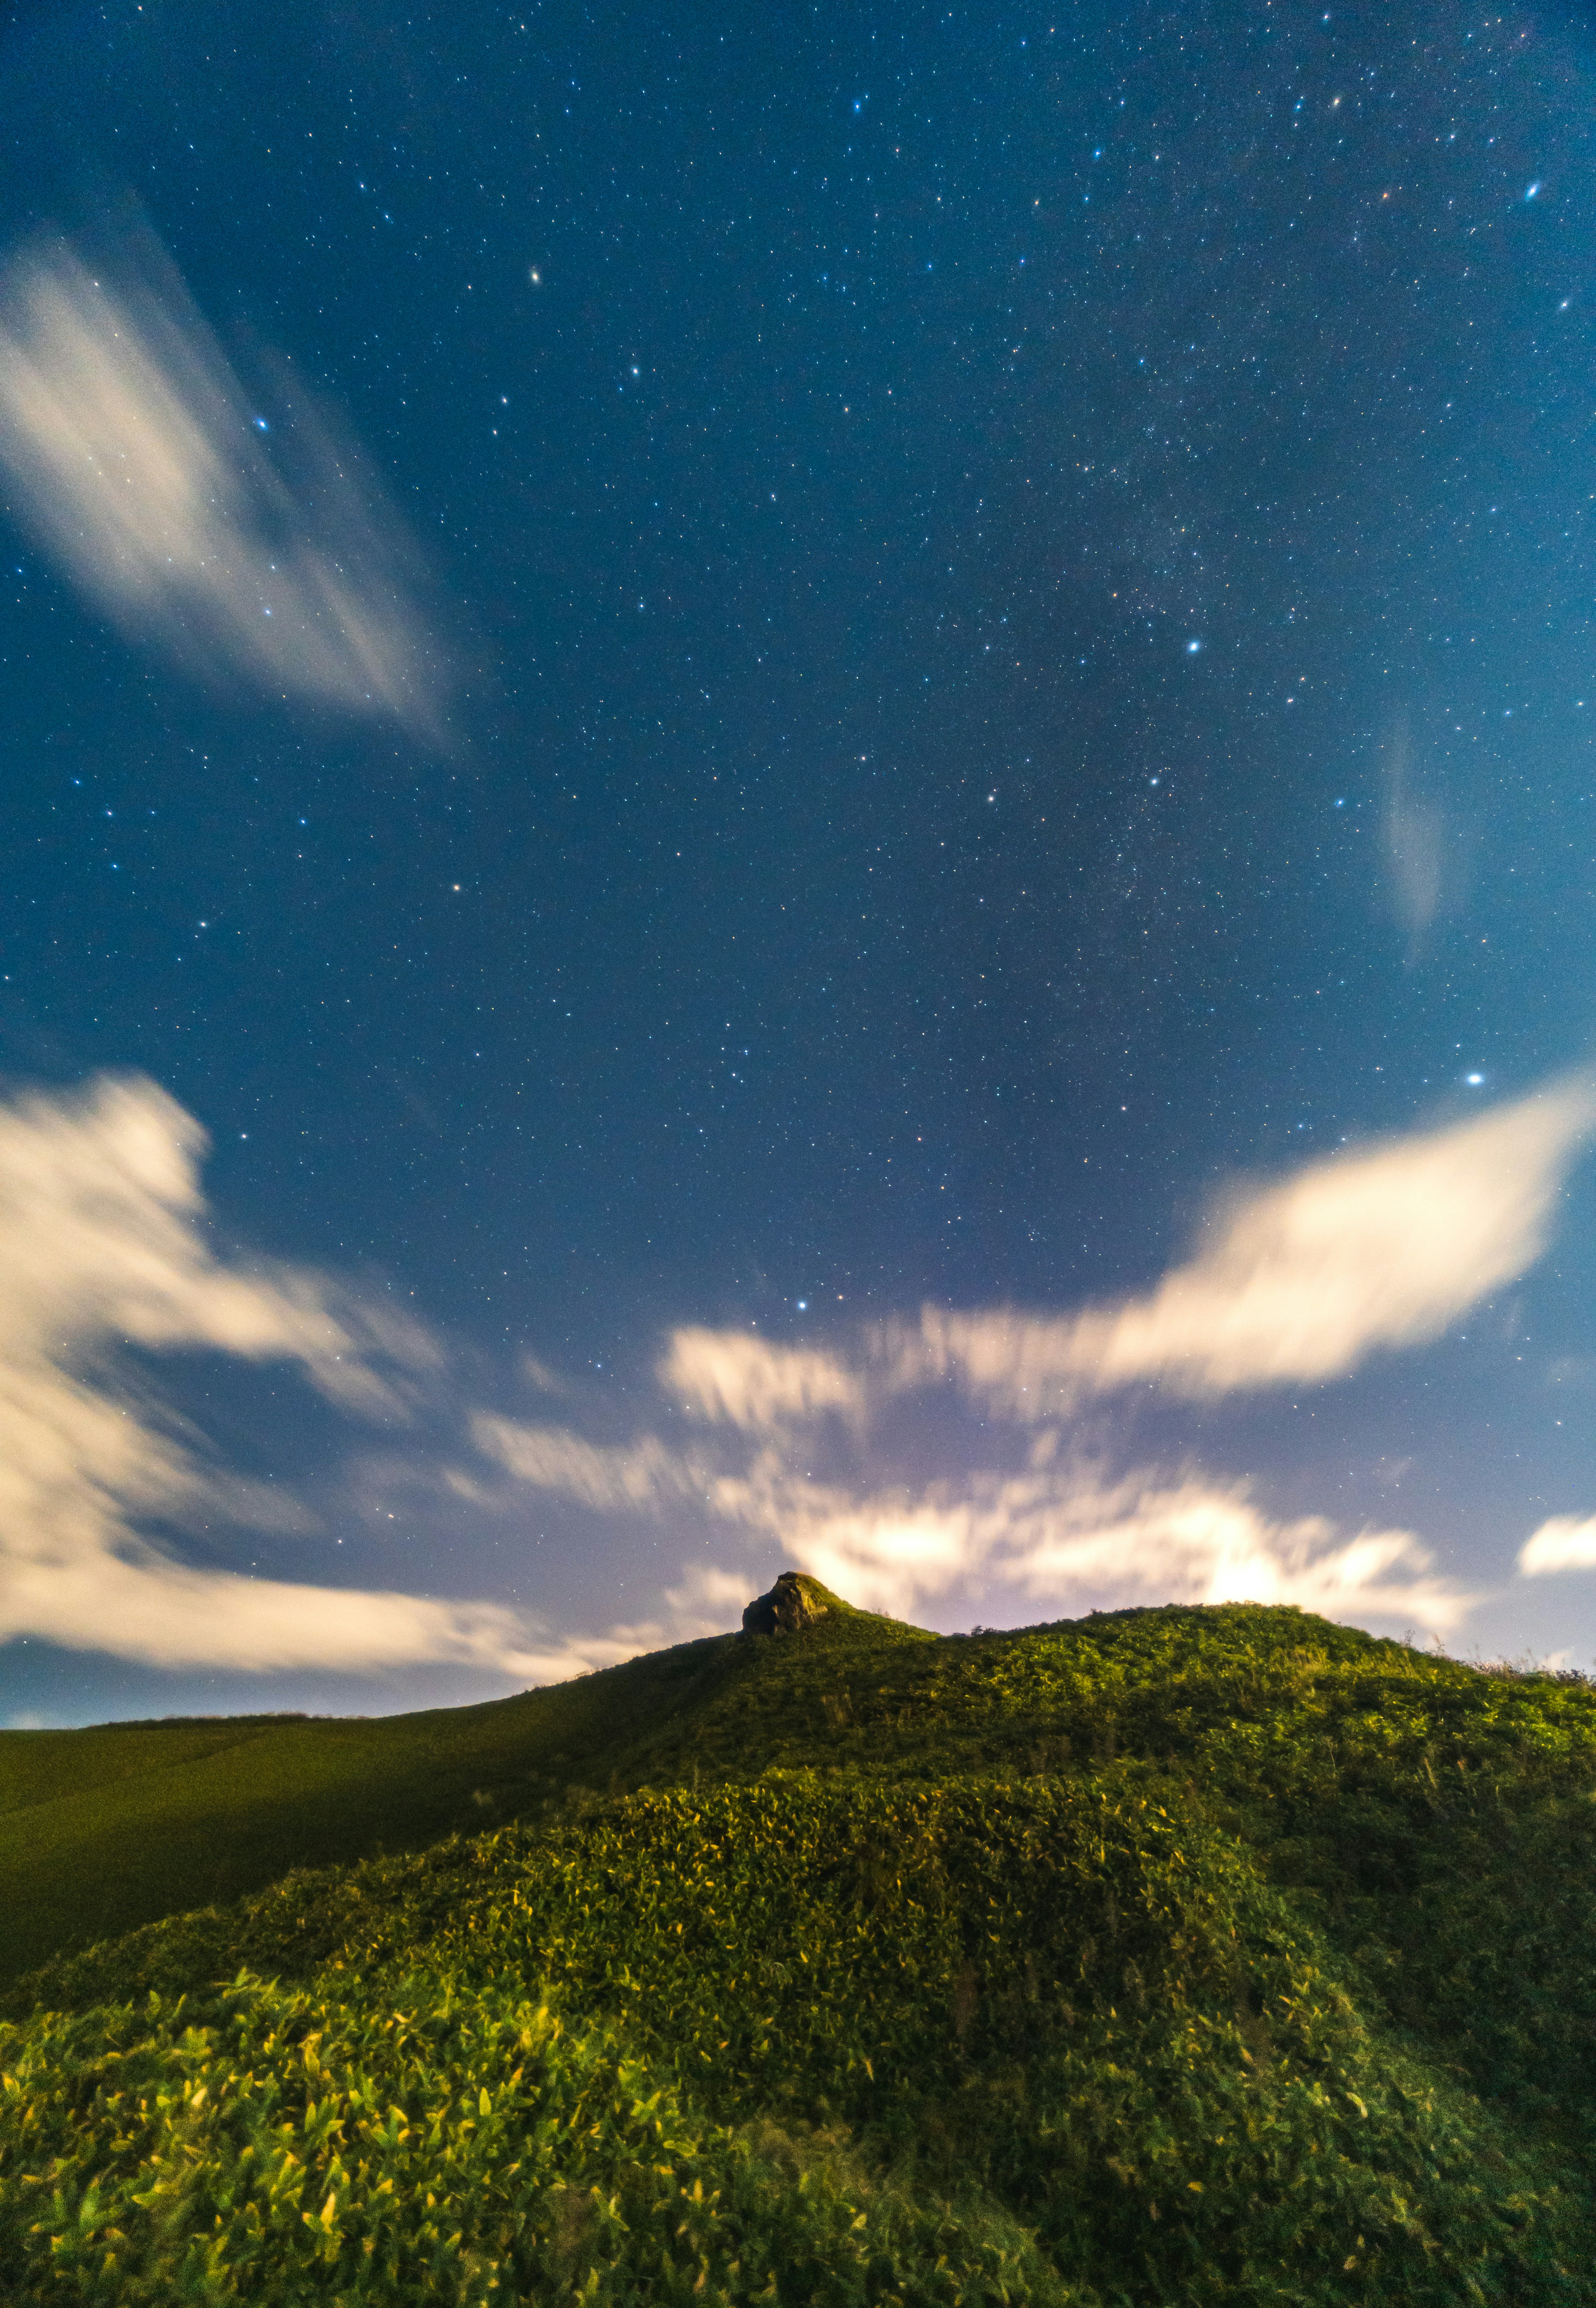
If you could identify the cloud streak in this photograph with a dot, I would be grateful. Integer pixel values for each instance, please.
(634, 1475)
(136, 459)
(1414, 831)
(1302, 1281)
(1564, 1543)
(1055, 1532)
(748, 1382)
(103, 1246)
(1198, 1542)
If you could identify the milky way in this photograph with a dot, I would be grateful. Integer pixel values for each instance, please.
(804, 788)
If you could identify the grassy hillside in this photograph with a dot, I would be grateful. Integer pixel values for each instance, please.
(112, 1827)
(1166, 1956)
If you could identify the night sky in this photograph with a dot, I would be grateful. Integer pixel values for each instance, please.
(795, 787)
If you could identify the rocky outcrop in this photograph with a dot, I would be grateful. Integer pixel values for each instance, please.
(794, 1603)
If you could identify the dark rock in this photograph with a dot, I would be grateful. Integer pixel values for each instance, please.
(793, 1604)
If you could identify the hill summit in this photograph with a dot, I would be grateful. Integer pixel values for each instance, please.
(1161, 1957)
(795, 1602)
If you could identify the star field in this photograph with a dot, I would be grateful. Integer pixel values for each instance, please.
(1011, 605)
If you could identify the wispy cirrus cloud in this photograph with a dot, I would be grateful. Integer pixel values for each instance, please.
(1299, 1281)
(1414, 832)
(602, 1476)
(137, 458)
(103, 1243)
(1145, 1539)
(752, 1383)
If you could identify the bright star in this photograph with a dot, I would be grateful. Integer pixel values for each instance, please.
(1191, 648)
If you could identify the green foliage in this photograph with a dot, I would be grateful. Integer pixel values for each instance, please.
(112, 1827)
(423, 2145)
(1168, 1957)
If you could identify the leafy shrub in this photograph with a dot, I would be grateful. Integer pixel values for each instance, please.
(304, 2146)
(1077, 1999)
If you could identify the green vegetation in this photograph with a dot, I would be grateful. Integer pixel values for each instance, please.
(1162, 1957)
(113, 1827)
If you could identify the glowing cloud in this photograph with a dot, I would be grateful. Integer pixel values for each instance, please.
(1062, 1537)
(1377, 1249)
(1194, 1542)
(1299, 1280)
(730, 1375)
(156, 1611)
(1566, 1543)
(101, 1244)
(134, 457)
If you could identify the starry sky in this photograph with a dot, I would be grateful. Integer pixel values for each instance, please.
(805, 787)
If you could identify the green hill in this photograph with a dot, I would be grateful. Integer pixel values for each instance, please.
(1166, 1956)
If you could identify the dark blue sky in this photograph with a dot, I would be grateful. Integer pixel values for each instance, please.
(985, 622)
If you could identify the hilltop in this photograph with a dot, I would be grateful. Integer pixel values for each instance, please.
(1163, 1956)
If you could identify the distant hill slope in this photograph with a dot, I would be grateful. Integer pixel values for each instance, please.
(105, 1828)
(1164, 1955)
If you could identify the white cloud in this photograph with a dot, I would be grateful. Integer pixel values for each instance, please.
(104, 1243)
(750, 1382)
(633, 1475)
(101, 1246)
(709, 1601)
(136, 458)
(106, 1593)
(554, 1658)
(1564, 1543)
(1377, 1249)
(540, 1374)
(1061, 1537)
(1196, 1542)
(100, 1239)
(1299, 1280)
(885, 1549)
